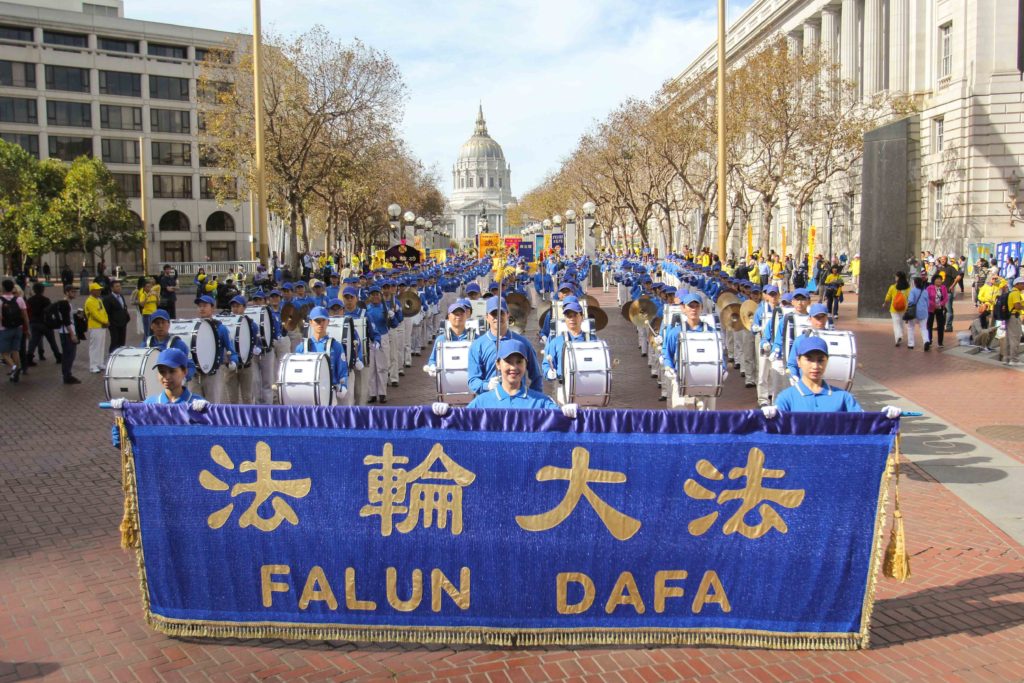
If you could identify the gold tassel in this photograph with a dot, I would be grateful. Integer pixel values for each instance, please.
(897, 560)
(130, 520)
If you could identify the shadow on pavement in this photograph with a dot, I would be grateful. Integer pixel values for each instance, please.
(26, 671)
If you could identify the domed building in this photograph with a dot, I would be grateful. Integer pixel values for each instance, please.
(481, 185)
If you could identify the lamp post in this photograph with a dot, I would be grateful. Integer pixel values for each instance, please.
(589, 220)
(571, 238)
(394, 218)
(1016, 212)
(830, 209)
(409, 221)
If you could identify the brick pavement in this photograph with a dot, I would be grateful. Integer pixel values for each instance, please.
(70, 609)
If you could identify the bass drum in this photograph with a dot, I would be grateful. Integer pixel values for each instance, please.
(304, 379)
(200, 336)
(131, 373)
(359, 325)
(586, 368)
(842, 357)
(453, 372)
(342, 331)
(264, 320)
(700, 367)
(240, 333)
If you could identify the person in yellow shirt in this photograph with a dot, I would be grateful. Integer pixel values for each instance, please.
(987, 295)
(855, 273)
(1015, 304)
(902, 286)
(98, 322)
(778, 270)
(146, 297)
(834, 290)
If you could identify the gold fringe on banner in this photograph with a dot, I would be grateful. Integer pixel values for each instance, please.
(130, 521)
(897, 559)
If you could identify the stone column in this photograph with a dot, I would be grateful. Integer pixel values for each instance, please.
(899, 45)
(830, 33)
(812, 40)
(849, 47)
(874, 56)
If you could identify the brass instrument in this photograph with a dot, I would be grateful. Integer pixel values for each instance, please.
(410, 303)
(747, 311)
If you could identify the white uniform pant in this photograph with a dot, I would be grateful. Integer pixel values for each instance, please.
(767, 380)
(677, 401)
(395, 352)
(897, 326)
(745, 349)
(99, 338)
(606, 280)
(263, 390)
(210, 387)
(406, 328)
(380, 361)
(238, 384)
(922, 325)
(359, 385)
(641, 333)
(620, 294)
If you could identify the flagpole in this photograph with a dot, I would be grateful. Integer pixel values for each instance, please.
(721, 133)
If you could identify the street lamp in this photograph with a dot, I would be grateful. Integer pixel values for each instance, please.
(1016, 212)
(830, 209)
(570, 229)
(589, 220)
(394, 215)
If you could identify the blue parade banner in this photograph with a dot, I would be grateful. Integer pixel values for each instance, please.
(558, 241)
(507, 527)
(526, 250)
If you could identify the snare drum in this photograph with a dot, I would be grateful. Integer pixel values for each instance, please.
(241, 335)
(131, 373)
(304, 379)
(264, 320)
(453, 372)
(842, 357)
(586, 369)
(200, 336)
(699, 367)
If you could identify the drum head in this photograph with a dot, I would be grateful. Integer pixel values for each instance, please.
(204, 346)
(304, 379)
(131, 373)
(261, 316)
(243, 339)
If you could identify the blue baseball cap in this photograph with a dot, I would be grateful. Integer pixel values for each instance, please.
(459, 305)
(787, 297)
(335, 302)
(172, 358)
(239, 300)
(817, 309)
(755, 288)
(374, 289)
(465, 303)
(288, 286)
(259, 294)
(509, 347)
(808, 343)
(691, 298)
(159, 314)
(572, 306)
(318, 312)
(494, 303)
(566, 285)
(299, 284)
(275, 292)
(669, 290)
(350, 291)
(801, 292)
(205, 299)
(770, 289)
(472, 287)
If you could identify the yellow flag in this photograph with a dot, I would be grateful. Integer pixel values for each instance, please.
(783, 252)
(750, 239)
(810, 248)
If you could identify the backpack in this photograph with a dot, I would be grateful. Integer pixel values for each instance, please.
(800, 278)
(899, 302)
(1002, 309)
(52, 317)
(10, 313)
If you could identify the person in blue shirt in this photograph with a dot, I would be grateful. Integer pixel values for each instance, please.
(483, 374)
(319, 341)
(301, 298)
(334, 290)
(378, 325)
(692, 308)
(455, 330)
(818, 321)
(242, 384)
(319, 296)
(212, 384)
(552, 365)
(769, 313)
(172, 364)
(159, 325)
(811, 394)
(266, 361)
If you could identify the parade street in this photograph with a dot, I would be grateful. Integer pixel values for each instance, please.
(70, 607)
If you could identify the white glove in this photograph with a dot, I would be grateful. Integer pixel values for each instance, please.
(892, 412)
(118, 403)
(552, 375)
(658, 340)
(774, 357)
(770, 412)
(341, 392)
(232, 366)
(571, 410)
(778, 366)
(670, 373)
(440, 409)
(430, 370)
(199, 405)
(766, 348)
(493, 382)
(375, 346)
(754, 329)
(256, 351)
(359, 364)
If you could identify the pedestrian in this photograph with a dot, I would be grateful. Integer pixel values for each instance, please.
(917, 312)
(834, 290)
(168, 283)
(118, 315)
(938, 296)
(897, 300)
(66, 276)
(13, 327)
(1015, 306)
(68, 337)
(97, 324)
(146, 298)
(83, 280)
(986, 299)
(38, 331)
(46, 273)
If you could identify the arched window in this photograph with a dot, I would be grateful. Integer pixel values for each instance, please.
(136, 220)
(174, 220)
(220, 221)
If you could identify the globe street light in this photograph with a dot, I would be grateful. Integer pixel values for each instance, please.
(394, 214)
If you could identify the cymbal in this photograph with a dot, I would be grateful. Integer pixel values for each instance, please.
(747, 311)
(591, 302)
(625, 310)
(410, 302)
(517, 299)
(543, 311)
(730, 316)
(288, 317)
(642, 310)
(518, 312)
(725, 299)
(656, 324)
(599, 317)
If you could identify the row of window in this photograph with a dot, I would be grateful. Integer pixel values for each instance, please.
(468, 182)
(81, 41)
(124, 151)
(119, 83)
(181, 251)
(218, 221)
(112, 117)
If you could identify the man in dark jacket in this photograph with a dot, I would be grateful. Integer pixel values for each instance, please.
(37, 303)
(117, 312)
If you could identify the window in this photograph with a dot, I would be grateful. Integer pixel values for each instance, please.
(22, 33)
(118, 45)
(176, 252)
(68, 148)
(214, 55)
(29, 143)
(172, 186)
(120, 83)
(220, 221)
(169, 121)
(172, 153)
(480, 181)
(210, 185)
(221, 251)
(77, 114)
(168, 88)
(119, 151)
(171, 51)
(67, 78)
(100, 10)
(17, 110)
(490, 181)
(946, 50)
(17, 74)
(937, 189)
(208, 156)
(114, 117)
(174, 220)
(499, 182)
(938, 128)
(68, 39)
(211, 91)
(128, 183)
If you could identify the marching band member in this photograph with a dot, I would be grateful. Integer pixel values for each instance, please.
(395, 318)
(212, 384)
(458, 314)
(378, 323)
(511, 363)
(159, 326)
(552, 365)
(319, 296)
(334, 290)
(818, 320)
(301, 298)
(693, 323)
(240, 382)
(565, 290)
(483, 374)
(747, 355)
(791, 323)
(765, 320)
(319, 341)
(172, 364)
(266, 361)
(351, 309)
(282, 341)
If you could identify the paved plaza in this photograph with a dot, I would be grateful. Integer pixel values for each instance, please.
(69, 596)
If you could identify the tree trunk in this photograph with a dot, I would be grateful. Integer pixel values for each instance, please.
(767, 204)
(293, 236)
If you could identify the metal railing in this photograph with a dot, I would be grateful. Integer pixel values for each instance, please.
(191, 268)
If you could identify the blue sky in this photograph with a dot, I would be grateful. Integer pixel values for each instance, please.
(544, 70)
